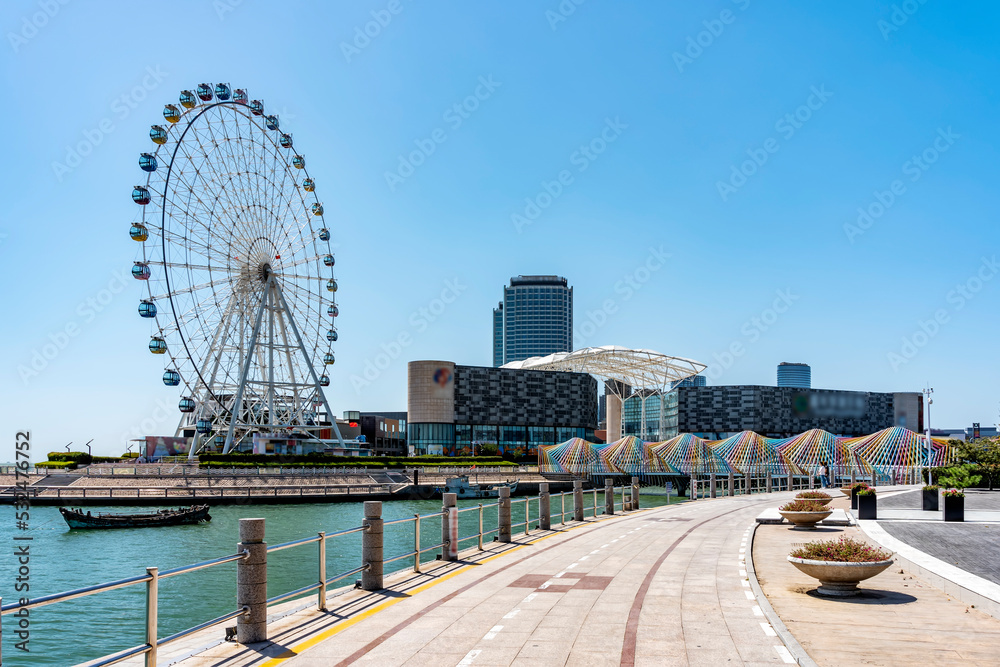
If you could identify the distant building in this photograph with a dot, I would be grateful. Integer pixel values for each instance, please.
(385, 432)
(534, 319)
(453, 409)
(794, 375)
(693, 381)
(780, 412)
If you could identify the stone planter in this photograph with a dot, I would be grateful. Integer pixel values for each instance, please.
(868, 507)
(930, 500)
(804, 520)
(839, 579)
(821, 501)
(954, 508)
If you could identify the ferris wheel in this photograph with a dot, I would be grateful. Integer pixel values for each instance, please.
(236, 257)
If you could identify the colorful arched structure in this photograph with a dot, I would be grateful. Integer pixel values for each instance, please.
(887, 453)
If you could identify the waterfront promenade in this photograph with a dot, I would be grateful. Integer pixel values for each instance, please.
(663, 586)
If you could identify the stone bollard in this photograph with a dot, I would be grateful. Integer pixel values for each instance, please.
(544, 507)
(769, 482)
(609, 497)
(371, 546)
(578, 500)
(635, 493)
(449, 527)
(732, 483)
(711, 485)
(812, 481)
(503, 530)
(854, 477)
(791, 482)
(251, 583)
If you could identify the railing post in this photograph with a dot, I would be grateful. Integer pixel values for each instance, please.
(693, 488)
(635, 493)
(503, 527)
(595, 502)
(562, 504)
(480, 526)
(769, 482)
(854, 477)
(416, 542)
(791, 481)
(371, 546)
(251, 583)
(812, 481)
(609, 496)
(321, 595)
(711, 485)
(544, 507)
(527, 513)
(732, 480)
(449, 526)
(577, 500)
(152, 605)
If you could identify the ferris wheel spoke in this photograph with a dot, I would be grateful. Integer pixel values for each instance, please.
(192, 288)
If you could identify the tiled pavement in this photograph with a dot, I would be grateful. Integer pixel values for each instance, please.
(972, 547)
(974, 500)
(657, 587)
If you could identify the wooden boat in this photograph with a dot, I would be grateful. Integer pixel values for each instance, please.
(461, 487)
(171, 517)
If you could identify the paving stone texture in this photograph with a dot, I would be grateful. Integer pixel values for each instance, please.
(900, 620)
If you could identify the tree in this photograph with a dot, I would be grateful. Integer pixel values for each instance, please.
(984, 453)
(960, 476)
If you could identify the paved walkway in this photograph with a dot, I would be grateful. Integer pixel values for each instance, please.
(656, 587)
(900, 620)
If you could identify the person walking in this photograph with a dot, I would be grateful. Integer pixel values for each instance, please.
(824, 478)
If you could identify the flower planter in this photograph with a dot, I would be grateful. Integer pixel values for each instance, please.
(868, 507)
(821, 501)
(954, 508)
(804, 520)
(854, 499)
(930, 500)
(839, 579)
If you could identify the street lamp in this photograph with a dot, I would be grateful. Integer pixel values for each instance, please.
(87, 445)
(927, 394)
(67, 446)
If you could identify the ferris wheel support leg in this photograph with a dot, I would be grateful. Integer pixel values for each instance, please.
(312, 371)
(238, 404)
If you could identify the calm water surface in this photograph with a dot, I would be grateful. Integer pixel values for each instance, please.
(86, 628)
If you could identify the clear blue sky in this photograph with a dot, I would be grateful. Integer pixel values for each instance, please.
(881, 93)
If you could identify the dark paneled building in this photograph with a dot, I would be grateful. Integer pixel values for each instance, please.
(719, 411)
(454, 409)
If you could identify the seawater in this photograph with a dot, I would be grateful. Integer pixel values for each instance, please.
(83, 629)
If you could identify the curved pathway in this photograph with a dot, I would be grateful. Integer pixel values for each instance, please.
(665, 586)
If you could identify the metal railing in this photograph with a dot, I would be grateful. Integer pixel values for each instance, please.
(152, 575)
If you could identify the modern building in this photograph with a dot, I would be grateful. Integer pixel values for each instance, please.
(794, 375)
(534, 319)
(453, 409)
(693, 381)
(780, 412)
(385, 432)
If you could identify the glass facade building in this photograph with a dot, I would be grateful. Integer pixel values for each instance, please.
(660, 415)
(534, 319)
(794, 375)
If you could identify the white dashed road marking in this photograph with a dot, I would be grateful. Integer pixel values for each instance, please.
(786, 657)
(768, 630)
(493, 632)
(749, 594)
(757, 611)
(469, 657)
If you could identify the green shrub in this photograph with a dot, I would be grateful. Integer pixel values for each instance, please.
(953, 493)
(56, 465)
(812, 495)
(81, 458)
(867, 491)
(960, 476)
(803, 506)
